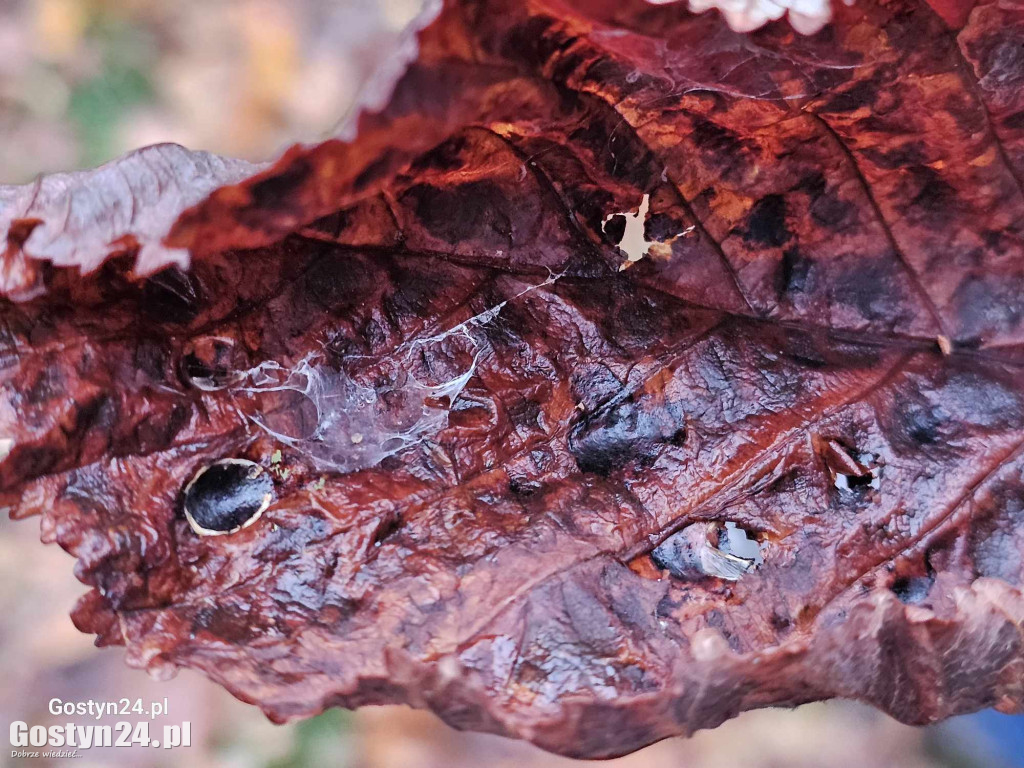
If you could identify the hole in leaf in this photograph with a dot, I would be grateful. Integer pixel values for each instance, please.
(227, 496)
(388, 527)
(633, 240)
(739, 543)
(709, 549)
(213, 362)
(848, 468)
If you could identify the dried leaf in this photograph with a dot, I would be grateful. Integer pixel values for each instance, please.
(510, 476)
(123, 208)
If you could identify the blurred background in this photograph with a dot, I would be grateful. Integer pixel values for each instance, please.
(82, 81)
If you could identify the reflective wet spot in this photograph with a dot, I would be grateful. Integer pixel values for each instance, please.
(708, 645)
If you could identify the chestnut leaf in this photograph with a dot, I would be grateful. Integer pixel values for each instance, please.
(618, 373)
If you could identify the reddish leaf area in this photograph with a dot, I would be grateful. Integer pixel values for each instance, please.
(511, 466)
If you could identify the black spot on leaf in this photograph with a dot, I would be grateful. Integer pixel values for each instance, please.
(766, 222)
(226, 496)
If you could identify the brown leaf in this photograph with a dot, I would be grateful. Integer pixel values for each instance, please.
(622, 374)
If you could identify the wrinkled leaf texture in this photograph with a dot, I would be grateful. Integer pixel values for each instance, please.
(479, 426)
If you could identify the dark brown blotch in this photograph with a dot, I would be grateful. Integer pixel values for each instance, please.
(628, 431)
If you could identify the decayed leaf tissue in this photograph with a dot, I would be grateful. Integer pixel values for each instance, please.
(613, 372)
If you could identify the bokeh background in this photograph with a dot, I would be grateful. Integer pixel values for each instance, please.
(82, 81)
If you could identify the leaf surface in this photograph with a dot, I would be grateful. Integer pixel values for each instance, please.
(621, 374)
